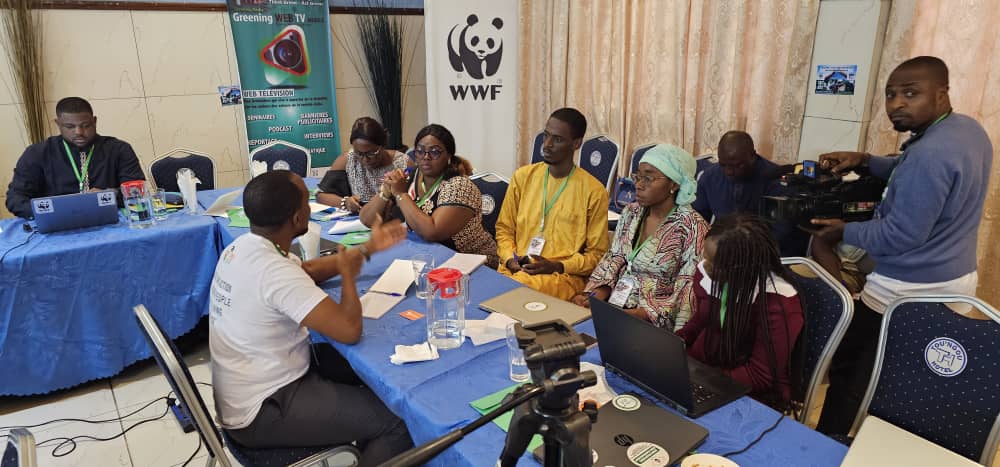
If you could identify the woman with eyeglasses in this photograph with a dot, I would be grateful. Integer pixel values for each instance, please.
(649, 270)
(355, 177)
(438, 201)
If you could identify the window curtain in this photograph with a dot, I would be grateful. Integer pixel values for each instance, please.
(963, 33)
(679, 72)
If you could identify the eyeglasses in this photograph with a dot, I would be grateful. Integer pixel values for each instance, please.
(434, 152)
(644, 179)
(368, 155)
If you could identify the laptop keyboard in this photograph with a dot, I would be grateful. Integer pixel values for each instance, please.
(700, 393)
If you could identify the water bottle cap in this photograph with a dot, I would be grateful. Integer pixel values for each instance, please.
(445, 280)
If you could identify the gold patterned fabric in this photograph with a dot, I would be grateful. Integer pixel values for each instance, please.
(963, 33)
(672, 72)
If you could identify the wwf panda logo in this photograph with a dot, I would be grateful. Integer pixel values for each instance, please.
(474, 45)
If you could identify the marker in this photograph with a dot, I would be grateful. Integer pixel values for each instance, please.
(409, 173)
(391, 294)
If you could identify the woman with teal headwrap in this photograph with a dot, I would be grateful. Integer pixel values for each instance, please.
(649, 270)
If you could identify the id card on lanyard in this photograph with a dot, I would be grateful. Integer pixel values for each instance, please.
(537, 243)
(82, 175)
(627, 283)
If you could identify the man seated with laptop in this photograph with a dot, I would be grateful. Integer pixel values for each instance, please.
(553, 225)
(77, 161)
(272, 389)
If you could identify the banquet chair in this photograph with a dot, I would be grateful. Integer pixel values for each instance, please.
(19, 450)
(493, 188)
(164, 169)
(599, 157)
(193, 406)
(935, 374)
(703, 162)
(283, 155)
(637, 157)
(536, 147)
(828, 309)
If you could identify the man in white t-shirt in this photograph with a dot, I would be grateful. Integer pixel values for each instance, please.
(270, 392)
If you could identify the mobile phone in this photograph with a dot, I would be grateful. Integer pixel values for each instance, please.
(589, 340)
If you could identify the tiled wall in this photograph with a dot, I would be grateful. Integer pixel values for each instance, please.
(848, 32)
(152, 76)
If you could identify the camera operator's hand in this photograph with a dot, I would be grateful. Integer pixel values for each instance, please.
(841, 161)
(830, 231)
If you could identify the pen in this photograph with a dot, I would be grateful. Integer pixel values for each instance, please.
(392, 294)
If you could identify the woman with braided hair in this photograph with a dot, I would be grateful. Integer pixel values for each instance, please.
(748, 314)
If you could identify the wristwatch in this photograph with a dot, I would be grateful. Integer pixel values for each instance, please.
(384, 197)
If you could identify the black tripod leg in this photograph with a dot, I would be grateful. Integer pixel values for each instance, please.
(576, 452)
(523, 425)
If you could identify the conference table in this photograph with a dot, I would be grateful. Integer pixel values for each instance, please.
(66, 298)
(433, 397)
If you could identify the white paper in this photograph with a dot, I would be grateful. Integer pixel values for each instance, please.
(414, 353)
(464, 262)
(374, 305)
(327, 217)
(222, 204)
(600, 392)
(613, 216)
(493, 328)
(342, 227)
(317, 207)
(396, 279)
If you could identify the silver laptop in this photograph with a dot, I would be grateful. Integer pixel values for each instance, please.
(530, 306)
(74, 211)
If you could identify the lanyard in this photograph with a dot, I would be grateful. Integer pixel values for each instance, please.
(638, 233)
(903, 156)
(80, 177)
(428, 193)
(722, 309)
(545, 195)
(280, 251)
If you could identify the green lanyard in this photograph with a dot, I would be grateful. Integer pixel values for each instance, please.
(545, 195)
(428, 193)
(280, 251)
(902, 157)
(637, 249)
(722, 309)
(80, 177)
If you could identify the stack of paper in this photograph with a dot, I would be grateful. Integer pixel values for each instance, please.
(222, 204)
(342, 227)
(464, 262)
(389, 289)
(493, 328)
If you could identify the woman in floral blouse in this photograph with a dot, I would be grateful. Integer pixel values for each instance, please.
(649, 270)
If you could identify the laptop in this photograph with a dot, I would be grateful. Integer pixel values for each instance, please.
(881, 443)
(74, 211)
(632, 430)
(530, 306)
(326, 248)
(657, 361)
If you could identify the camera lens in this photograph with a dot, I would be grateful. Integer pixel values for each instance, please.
(287, 53)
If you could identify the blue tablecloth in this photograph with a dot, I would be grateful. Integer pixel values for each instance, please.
(433, 397)
(66, 298)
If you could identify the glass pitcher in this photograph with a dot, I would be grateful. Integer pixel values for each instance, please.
(447, 295)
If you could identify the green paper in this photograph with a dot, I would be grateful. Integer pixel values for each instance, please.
(238, 218)
(355, 238)
(486, 404)
(312, 194)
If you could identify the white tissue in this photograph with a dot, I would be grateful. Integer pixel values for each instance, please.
(414, 353)
(309, 242)
(493, 328)
(600, 392)
(186, 182)
(257, 168)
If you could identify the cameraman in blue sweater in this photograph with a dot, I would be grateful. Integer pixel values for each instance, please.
(923, 236)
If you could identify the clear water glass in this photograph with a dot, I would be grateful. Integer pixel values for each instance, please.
(518, 367)
(422, 264)
(159, 198)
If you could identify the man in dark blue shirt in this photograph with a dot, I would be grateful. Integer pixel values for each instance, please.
(737, 183)
(77, 160)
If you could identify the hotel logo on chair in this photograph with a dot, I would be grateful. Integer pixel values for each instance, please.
(945, 356)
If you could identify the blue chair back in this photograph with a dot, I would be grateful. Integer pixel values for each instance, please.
(828, 310)
(494, 189)
(703, 163)
(599, 157)
(936, 374)
(536, 147)
(20, 449)
(637, 157)
(623, 194)
(164, 169)
(285, 155)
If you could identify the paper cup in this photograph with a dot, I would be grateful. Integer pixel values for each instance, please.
(309, 242)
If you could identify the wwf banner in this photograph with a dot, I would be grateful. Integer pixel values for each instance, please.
(286, 73)
(472, 77)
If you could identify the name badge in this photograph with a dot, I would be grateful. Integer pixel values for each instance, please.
(623, 289)
(536, 246)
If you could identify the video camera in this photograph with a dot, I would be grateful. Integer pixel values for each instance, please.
(815, 193)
